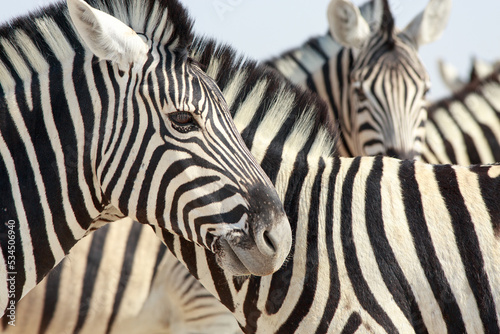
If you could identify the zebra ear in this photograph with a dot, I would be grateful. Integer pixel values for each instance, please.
(449, 75)
(347, 25)
(107, 37)
(429, 25)
(481, 68)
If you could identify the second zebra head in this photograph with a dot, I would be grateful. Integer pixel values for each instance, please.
(386, 82)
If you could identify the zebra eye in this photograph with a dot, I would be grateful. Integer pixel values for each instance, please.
(360, 93)
(183, 121)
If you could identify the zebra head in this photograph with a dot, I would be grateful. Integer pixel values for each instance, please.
(179, 163)
(387, 81)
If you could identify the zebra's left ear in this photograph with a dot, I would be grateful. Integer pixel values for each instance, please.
(429, 25)
(106, 36)
(449, 75)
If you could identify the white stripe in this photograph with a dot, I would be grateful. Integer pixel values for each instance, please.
(21, 219)
(398, 234)
(364, 251)
(483, 226)
(443, 239)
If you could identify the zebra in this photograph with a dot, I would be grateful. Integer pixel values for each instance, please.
(376, 85)
(380, 244)
(464, 128)
(264, 93)
(450, 77)
(87, 135)
(120, 279)
(461, 129)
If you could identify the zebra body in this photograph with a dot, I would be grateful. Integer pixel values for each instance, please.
(86, 131)
(380, 245)
(451, 78)
(376, 85)
(464, 128)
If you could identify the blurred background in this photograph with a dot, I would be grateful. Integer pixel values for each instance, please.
(265, 28)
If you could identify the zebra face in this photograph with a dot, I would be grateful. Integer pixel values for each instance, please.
(387, 83)
(388, 90)
(222, 199)
(174, 158)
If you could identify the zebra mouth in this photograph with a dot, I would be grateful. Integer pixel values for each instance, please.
(228, 259)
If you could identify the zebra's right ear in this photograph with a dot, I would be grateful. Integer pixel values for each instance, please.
(481, 68)
(347, 25)
(106, 36)
(429, 25)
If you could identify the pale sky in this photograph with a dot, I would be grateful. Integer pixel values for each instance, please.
(265, 28)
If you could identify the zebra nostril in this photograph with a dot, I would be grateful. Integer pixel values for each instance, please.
(269, 241)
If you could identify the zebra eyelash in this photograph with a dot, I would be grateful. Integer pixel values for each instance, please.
(183, 121)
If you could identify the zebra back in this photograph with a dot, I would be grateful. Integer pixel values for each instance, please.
(464, 128)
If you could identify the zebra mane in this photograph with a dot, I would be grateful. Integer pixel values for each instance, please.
(263, 103)
(30, 43)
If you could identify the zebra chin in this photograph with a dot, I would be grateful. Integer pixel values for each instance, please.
(261, 253)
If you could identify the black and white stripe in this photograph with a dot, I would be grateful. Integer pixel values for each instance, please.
(464, 128)
(376, 85)
(138, 129)
(379, 244)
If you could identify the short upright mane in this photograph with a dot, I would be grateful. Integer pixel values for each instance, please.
(301, 116)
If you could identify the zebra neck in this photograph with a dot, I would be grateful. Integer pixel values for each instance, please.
(331, 82)
(299, 63)
(464, 128)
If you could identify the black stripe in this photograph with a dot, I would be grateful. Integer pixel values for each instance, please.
(334, 288)
(94, 258)
(67, 136)
(425, 249)
(299, 64)
(250, 311)
(132, 115)
(301, 309)
(358, 281)
(220, 282)
(8, 212)
(188, 253)
(468, 245)
(490, 188)
(118, 141)
(51, 297)
(84, 98)
(139, 158)
(44, 258)
(280, 282)
(352, 324)
(390, 269)
(127, 266)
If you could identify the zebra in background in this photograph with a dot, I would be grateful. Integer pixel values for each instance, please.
(380, 245)
(87, 134)
(464, 128)
(469, 134)
(376, 85)
(451, 78)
